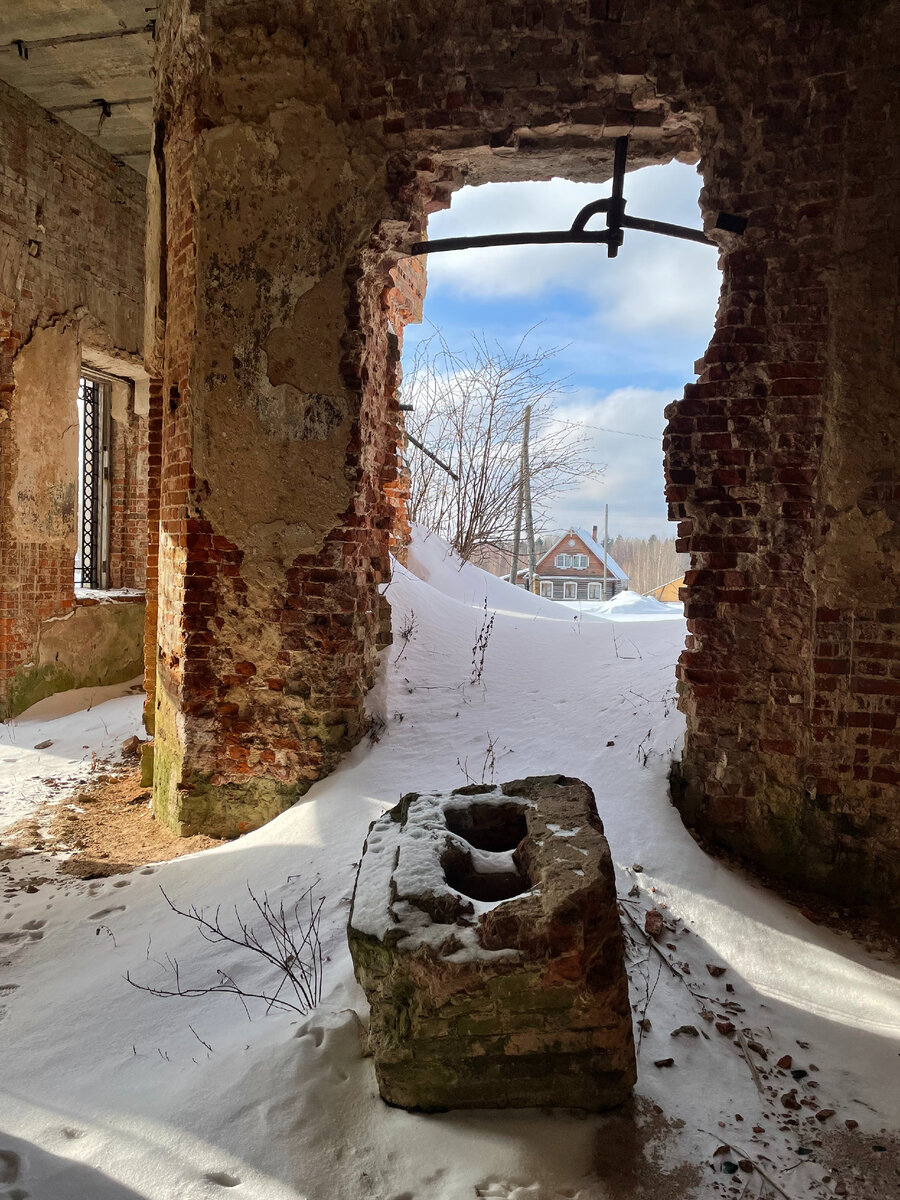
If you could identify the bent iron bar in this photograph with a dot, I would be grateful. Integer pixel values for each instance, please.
(612, 236)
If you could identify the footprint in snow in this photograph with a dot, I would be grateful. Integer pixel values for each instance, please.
(34, 924)
(316, 1032)
(222, 1178)
(122, 883)
(9, 1166)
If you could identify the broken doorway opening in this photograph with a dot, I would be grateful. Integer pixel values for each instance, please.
(628, 335)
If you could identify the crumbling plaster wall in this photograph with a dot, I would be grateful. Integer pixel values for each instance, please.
(305, 146)
(404, 300)
(274, 521)
(71, 235)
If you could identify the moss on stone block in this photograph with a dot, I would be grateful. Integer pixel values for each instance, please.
(33, 683)
(224, 810)
(147, 764)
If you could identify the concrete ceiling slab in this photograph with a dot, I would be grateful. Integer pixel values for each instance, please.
(87, 62)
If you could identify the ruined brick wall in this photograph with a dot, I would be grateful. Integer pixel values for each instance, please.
(151, 581)
(71, 232)
(279, 437)
(780, 459)
(781, 464)
(406, 296)
(128, 517)
(404, 300)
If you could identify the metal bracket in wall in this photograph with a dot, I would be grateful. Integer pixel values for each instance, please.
(611, 237)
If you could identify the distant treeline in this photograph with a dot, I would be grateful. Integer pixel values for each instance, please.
(648, 562)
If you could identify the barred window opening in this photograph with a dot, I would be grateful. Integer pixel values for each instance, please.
(92, 550)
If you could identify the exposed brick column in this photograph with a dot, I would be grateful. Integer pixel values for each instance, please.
(128, 507)
(276, 435)
(404, 301)
(782, 471)
(154, 483)
(10, 634)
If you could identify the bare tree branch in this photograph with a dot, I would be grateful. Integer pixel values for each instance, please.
(468, 410)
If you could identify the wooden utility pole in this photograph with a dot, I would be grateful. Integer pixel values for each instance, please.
(520, 499)
(529, 525)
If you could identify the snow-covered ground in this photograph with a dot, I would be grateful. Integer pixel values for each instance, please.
(109, 1093)
(79, 726)
(628, 606)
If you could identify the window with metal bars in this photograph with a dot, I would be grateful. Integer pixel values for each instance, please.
(92, 553)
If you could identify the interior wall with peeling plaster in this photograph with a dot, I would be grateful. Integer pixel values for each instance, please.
(71, 293)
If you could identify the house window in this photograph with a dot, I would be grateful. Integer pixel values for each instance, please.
(570, 591)
(594, 591)
(569, 561)
(92, 552)
(547, 588)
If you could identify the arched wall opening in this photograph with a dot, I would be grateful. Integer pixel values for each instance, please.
(608, 344)
(779, 460)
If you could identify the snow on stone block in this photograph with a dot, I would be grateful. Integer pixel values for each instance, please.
(485, 933)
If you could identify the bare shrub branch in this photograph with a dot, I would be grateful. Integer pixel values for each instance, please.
(286, 938)
(481, 644)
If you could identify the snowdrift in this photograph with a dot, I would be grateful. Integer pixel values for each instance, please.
(110, 1093)
(628, 606)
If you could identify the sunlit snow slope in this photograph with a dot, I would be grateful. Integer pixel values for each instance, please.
(108, 1093)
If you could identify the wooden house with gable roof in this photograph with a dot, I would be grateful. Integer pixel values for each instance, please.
(573, 569)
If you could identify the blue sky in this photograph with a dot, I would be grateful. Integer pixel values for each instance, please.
(629, 329)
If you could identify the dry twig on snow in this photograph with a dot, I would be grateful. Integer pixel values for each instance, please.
(286, 938)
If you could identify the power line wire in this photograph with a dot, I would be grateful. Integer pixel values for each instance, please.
(623, 432)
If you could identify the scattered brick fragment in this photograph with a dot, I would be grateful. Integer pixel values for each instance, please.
(653, 924)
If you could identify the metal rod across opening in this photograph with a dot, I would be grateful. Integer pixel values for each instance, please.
(611, 237)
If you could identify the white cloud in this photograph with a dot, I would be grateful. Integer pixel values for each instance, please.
(640, 318)
(655, 282)
(632, 483)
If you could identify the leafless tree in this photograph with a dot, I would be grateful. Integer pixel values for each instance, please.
(468, 409)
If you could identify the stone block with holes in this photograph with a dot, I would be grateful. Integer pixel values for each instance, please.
(485, 933)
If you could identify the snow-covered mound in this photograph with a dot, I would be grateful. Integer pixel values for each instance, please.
(110, 1093)
(437, 564)
(77, 725)
(628, 606)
